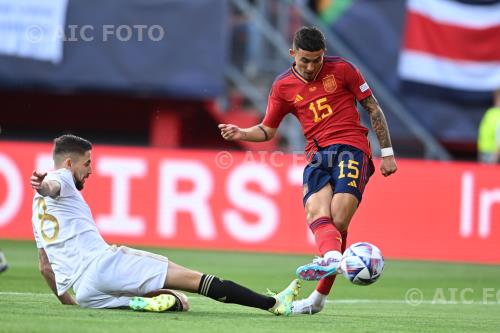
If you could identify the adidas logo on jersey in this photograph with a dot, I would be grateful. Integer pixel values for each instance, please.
(353, 184)
(298, 98)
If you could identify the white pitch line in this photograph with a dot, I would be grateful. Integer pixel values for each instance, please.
(403, 302)
(338, 301)
(13, 293)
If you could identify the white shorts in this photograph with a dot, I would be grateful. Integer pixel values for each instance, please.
(118, 274)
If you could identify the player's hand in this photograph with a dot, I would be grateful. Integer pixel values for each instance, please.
(388, 166)
(230, 132)
(37, 179)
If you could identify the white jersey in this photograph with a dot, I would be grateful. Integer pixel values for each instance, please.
(64, 227)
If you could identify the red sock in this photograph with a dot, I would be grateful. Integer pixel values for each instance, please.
(327, 237)
(325, 285)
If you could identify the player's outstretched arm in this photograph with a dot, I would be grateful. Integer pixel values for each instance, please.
(379, 125)
(44, 187)
(48, 274)
(257, 133)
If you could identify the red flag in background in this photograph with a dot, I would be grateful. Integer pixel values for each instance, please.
(452, 44)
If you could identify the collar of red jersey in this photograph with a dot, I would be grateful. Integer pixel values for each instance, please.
(301, 78)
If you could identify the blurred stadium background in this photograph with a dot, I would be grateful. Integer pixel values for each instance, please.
(147, 81)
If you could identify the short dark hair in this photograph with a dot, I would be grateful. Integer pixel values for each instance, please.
(309, 39)
(69, 143)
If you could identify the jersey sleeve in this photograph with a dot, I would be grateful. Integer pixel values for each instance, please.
(356, 83)
(277, 108)
(65, 179)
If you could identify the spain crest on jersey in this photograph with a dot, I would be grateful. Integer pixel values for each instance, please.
(329, 83)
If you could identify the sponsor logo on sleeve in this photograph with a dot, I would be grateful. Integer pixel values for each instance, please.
(364, 87)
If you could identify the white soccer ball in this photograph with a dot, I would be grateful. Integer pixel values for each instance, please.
(362, 263)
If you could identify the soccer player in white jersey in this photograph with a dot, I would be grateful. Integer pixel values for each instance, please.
(74, 255)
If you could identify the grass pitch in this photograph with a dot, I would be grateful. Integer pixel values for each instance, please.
(409, 297)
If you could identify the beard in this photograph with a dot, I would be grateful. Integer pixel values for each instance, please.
(79, 185)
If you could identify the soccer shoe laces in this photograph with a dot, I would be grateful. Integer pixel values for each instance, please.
(321, 261)
(318, 260)
(320, 267)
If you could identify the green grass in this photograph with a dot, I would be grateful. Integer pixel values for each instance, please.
(26, 304)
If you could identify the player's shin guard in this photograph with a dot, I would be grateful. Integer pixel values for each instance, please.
(325, 285)
(230, 292)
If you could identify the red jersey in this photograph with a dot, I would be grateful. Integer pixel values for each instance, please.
(325, 107)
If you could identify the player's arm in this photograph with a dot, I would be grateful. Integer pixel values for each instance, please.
(379, 125)
(257, 133)
(276, 109)
(48, 274)
(46, 188)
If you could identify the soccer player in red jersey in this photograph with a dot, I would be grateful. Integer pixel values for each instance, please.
(322, 91)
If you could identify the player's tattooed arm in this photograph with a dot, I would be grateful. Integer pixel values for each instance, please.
(379, 124)
(377, 118)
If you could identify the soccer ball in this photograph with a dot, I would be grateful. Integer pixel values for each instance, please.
(362, 263)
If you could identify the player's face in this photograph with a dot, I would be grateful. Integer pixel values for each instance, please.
(308, 63)
(82, 169)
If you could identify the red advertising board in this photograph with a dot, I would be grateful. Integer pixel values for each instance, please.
(252, 202)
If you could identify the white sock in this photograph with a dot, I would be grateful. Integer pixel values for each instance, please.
(311, 305)
(333, 254)
(317, 298)
(302, 306)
